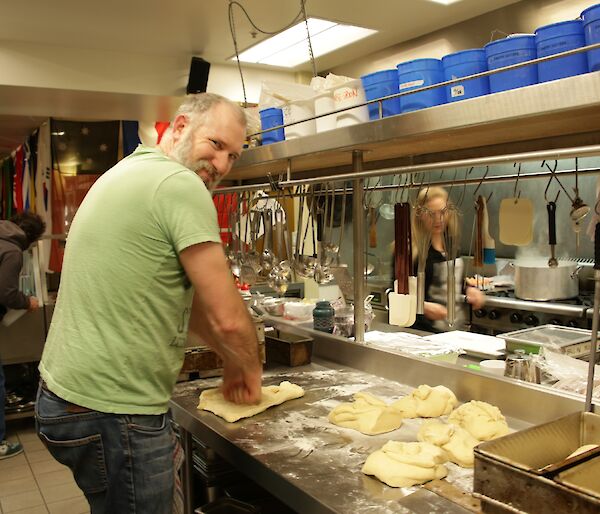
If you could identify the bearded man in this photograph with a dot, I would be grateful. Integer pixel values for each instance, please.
(144, 257)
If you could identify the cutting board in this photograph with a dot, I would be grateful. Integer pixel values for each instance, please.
(477, 345)
(516, 221)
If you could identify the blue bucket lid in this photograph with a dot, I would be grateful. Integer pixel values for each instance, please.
(561, 28)
(378, 76)
(420, 64)
(590, 14)
(473, 54)
(269, 111)
(511, 42)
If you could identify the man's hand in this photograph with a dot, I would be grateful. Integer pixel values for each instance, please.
(435, 311)
(242, 385)
(33, 303)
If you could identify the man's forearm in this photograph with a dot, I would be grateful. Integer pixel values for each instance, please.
(234, 340)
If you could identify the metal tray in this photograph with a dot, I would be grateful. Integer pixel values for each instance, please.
(508, 470)
(531, 339)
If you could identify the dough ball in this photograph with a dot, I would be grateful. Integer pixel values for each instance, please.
(455, 441)
(367, 414)
(482, 420)
(213, 400)
(406, 464)
(427, 402)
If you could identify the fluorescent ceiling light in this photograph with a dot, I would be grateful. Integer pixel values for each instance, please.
(290, 47)
(445, 2)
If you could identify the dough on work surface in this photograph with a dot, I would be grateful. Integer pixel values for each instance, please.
(213, 401)
(482, 420)
(367, 414)
(455, 441)
(426, 402)
(405, 464)
(583, 449)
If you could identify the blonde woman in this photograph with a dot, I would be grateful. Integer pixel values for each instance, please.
(431, 219)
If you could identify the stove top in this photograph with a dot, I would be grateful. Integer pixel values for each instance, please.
(503, 312)
(585, 299)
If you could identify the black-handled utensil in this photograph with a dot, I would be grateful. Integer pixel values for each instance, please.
(595, 321)
(551, 207)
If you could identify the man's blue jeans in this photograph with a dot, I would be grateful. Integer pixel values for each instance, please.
(122, 463)
(2, 405)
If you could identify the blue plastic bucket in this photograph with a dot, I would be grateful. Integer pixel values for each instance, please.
(591, 29)
(461, 64)
(416, 74)
(560, 37)
(269, 118)
(380, 84)
(507, 51)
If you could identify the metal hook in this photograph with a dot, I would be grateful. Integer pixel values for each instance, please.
(367, 197)
(273, 183)
(406, 187)
(487, 169)
(464, 190)
(576, 177)
(553, 176)
(546, 191)
(394, 195)
(515, 195)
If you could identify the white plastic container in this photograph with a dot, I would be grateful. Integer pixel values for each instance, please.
(351, 93)
(297, 111)
(496, 367)
(324, 103)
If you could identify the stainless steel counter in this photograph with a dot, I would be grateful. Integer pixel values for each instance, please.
(313, 466)
(294, 452)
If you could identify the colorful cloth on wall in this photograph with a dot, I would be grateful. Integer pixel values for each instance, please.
(225, 205)
(80, 147)
(131, 138)
(52, 171)
(43, 187)
(8, 186)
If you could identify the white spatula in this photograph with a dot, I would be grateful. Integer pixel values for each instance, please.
(403, 307)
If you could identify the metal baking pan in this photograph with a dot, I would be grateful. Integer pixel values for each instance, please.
(509, 471)
(583, 478)
(531, 339)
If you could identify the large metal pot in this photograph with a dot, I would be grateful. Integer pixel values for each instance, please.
(535, 280)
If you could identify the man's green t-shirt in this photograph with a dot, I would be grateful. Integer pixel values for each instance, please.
(116, 342)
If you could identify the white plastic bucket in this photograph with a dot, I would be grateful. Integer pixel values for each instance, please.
(297, 111)
(323, 104)
(351, 93)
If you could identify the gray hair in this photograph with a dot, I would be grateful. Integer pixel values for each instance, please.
(196, 107)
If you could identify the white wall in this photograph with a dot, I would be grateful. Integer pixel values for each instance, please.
(522, 17)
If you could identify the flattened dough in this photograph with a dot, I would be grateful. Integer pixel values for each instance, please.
(583, 449)
(212, 400)
(426, 402)
(455, 441)
(367, 414)
(405, 464)
(482, 420)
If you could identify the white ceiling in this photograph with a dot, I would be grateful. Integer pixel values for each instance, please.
(200, 27)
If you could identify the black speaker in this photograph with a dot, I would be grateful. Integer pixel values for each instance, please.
(198, 76)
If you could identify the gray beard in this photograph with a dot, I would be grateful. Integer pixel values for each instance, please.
(181, 152)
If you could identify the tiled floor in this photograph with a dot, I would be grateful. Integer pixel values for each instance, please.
(33, 482)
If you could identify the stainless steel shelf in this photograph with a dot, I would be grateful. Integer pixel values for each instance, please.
(558, 114)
